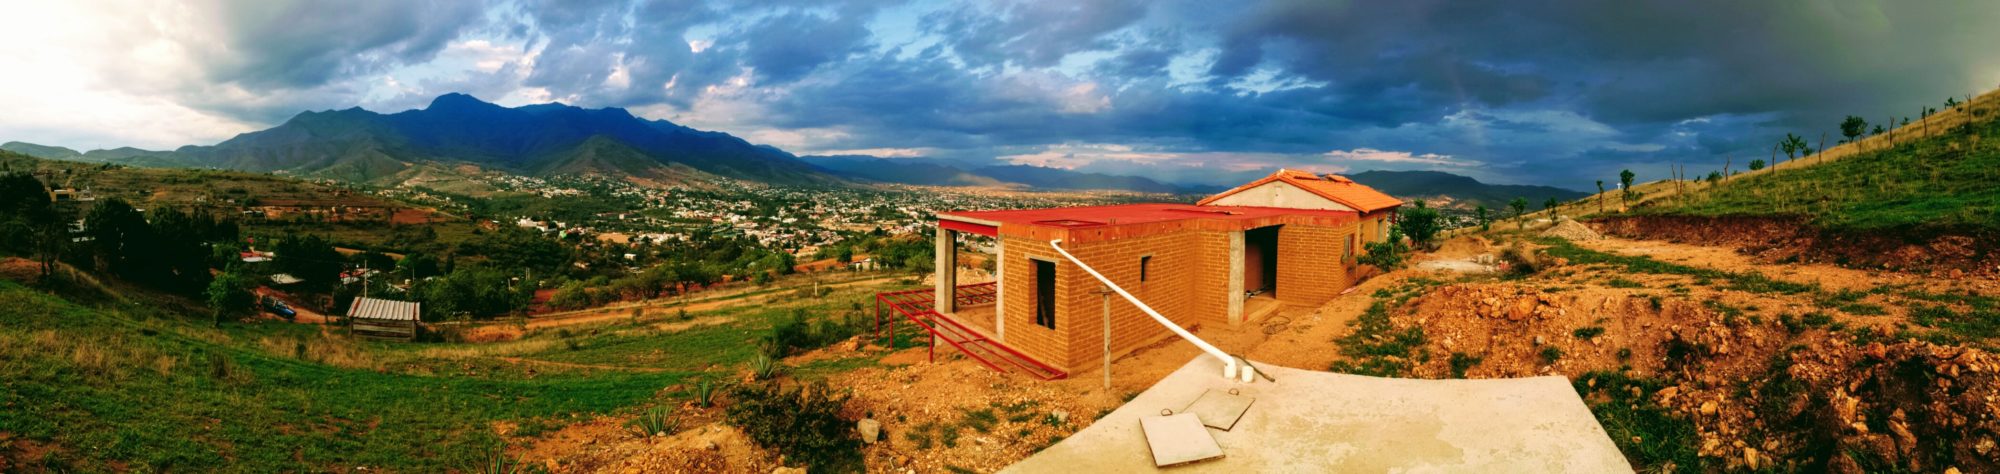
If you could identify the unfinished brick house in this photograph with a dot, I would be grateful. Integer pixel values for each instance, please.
(1286, 239)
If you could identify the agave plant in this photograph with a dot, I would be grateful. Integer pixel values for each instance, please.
(764, 367)
(656, 421)
(704, 393)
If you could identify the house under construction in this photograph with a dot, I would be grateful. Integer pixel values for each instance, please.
(1288, 238)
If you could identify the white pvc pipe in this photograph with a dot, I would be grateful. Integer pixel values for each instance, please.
(1228, 362)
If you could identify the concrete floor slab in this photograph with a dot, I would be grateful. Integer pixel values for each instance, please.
(1312, 421)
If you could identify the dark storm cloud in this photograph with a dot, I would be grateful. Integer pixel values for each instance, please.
(297, 44)
(1548, 91)
(1032, 33)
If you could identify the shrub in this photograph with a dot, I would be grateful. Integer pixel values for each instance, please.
(981, 420)
(1551, 354)
(1587, 333)
(1386, 255)
(1460, 362)
(802, 423)
(791, 332)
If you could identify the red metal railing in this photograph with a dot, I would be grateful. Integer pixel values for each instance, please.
(919, 306)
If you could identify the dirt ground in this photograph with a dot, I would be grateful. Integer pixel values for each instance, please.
(1758, 390)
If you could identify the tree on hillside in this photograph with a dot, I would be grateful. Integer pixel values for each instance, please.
(1950, 102)
(229, 294)
(1485, 221)
(1600, 196)
(1877, 131)
(1714, 177)
(1852, 128)
(310, 258)
(1520, 206)
(1793, 144)
(1550, 205)
(1420, 223)
(29, 222)
(1756, 165)
(1625, 186)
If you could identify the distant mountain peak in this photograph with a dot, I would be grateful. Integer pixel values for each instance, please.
(454, 100)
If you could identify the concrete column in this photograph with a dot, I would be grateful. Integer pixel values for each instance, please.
(1235, 278)
(947, 271)
(1000, 289)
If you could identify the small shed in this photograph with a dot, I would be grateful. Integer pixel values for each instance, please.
(377, 318)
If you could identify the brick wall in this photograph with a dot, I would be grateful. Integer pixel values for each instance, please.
(1018, 306)
(1310, 270)
(1187, 281)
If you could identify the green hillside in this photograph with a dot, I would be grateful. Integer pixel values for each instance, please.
(1948, 182)
(116, 389)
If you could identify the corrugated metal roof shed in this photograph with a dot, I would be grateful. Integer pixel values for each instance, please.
(392, 310)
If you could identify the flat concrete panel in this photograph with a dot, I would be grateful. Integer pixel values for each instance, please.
(1219, 409)
(1178, 439)
(1313, 421)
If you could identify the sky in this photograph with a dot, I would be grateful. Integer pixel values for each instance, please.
(1557, 92)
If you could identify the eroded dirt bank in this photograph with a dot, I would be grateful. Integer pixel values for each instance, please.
(1793, 239)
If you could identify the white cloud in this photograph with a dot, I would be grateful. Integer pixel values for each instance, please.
(878, 152)
(1386, 156)
(57, 92)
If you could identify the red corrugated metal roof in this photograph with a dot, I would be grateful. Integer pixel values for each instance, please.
(1334, 187)
(1093, 223)
(1087, 216)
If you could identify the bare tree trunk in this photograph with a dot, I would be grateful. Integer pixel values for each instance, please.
(1774, 158)
(1725, 166)
(1822, 147)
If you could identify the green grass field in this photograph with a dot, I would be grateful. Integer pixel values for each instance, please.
(131, 387)
(1942, 183)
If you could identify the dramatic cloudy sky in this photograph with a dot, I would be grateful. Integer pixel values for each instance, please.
(1544, 92)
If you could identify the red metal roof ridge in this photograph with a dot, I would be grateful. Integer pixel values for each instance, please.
(1292, 177)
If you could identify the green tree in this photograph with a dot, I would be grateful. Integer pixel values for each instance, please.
(1421, 223)
(1520, 206)
(1550, 205)
(1756, 165)
(309, 258)
(229, 294)
(1793, 144)
(1877, 131)
(1853, 127)
(1485, 221)
(1625, 187)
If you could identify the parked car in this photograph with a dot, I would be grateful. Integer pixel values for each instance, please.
(279, 307)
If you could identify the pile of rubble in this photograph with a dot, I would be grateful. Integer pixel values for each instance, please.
(1571, 230)
(1759, 395)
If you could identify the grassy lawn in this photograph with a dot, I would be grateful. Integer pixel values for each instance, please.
(1945, 182)
(111, 390)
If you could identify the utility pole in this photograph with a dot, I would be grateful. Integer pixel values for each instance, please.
(1105, 293)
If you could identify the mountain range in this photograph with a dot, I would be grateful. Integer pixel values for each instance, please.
(1449, 190)
(937, 173)
(360, 145)
(557, 139)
